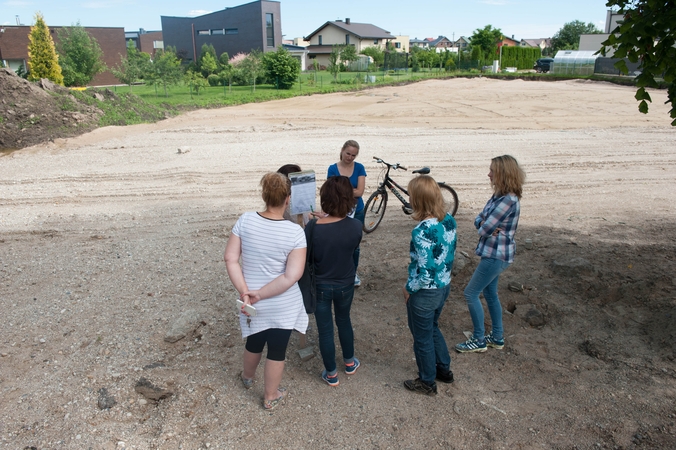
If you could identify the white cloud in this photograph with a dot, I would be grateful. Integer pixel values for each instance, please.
(198, 12)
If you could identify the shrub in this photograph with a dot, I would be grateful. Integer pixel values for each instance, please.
(214, 80)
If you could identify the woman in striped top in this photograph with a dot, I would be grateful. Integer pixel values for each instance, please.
(496, 225)
(272, 252)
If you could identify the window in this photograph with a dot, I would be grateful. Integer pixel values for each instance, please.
(347, 39)
(269, 30)
(320, 39)
(231, 31)
(216, 32)
(375, 41)
(397, 45)
(203, 32)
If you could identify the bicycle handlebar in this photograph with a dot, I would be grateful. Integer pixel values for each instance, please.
(394, 166)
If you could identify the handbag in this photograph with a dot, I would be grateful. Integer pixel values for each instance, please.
(307, 281)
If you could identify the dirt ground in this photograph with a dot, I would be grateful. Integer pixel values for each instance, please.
(108, 239)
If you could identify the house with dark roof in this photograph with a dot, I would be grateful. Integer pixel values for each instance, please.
(422, 43)
(338, 32)
(543, 43)
(441, 43)
(463, 42)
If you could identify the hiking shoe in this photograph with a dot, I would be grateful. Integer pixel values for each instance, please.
(357, 280)
(351, 369)
(495, 343)
(471, 345)
(444, 376)
(419, 385)
(331, 380)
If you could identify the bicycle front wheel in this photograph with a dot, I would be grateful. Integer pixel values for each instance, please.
(450, 198)
(374, 210)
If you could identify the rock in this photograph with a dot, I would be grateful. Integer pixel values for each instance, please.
(183, 150)
(150, 391)
(459, 263)
(106, 401)
(530, 314)
(186, 324)
(98, 97)
(515, 287)
(573, 267)
(306, 353)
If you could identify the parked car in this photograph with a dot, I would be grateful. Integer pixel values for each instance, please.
(543, 65)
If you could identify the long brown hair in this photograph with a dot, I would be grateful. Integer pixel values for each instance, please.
(508, 177)
(426, 198)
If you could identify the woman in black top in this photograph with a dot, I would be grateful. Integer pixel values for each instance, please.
(335, 238)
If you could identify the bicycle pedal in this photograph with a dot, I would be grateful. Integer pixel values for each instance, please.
(407, 210)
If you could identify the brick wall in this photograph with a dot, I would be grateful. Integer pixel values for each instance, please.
(14, 45)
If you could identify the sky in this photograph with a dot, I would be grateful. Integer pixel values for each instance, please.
(525, 19)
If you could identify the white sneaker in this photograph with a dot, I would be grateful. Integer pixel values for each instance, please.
(357, 280)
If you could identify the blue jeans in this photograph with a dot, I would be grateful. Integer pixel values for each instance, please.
(485, 279)
(359, 215)
(340, 297)
(429, 346)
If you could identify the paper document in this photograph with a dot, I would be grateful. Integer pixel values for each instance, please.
(303, 192)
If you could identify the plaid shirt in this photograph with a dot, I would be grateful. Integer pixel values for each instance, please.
(499, 212)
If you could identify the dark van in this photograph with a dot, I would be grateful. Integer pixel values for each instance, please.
(543, 65)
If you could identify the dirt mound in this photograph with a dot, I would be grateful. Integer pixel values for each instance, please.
(31, 113)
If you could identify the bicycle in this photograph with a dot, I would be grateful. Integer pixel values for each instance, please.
(375, 206)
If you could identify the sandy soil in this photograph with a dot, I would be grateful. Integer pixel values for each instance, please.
(108, 238)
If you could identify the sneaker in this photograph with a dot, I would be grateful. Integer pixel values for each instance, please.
(471, 345)
(331, 380)
(444, 376)
(351, 369)
(495, 343)
(357, 280)
(419, 385)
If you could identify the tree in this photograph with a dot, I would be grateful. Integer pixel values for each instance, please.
(487, 39)
(165, 70)
(195, 81)
(252, 67)
(133, 67)
(281, 67)
(207, 62)
(647, 34)
(348, 54)
(334, 57)
(80, 56)
(568, 37)
(376, 54)
(43, 62)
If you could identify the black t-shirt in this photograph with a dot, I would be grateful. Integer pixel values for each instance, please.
(334, 243)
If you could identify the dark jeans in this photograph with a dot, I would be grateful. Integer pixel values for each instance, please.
(359, 215)
(424, 308)
(340, 297)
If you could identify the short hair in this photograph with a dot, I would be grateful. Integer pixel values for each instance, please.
(426, 198)
(508, 177)
(336, 196)
(276, 189)
(286, 169)
(348, 143)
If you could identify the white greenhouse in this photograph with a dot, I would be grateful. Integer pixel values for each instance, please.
(574, 62)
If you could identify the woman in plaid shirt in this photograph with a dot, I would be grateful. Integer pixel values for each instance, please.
(496, 225)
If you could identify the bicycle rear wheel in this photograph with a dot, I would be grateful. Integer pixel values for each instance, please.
(450, 198)
(374, 210)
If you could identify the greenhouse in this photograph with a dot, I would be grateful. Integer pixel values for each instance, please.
(574, 62)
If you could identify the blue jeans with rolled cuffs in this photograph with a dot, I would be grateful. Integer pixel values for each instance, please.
(485, 279)
(340, 298)
(424, 308)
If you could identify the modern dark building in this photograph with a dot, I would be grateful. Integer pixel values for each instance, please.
(240, 29)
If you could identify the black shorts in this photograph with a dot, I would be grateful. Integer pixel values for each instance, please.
(277, 340)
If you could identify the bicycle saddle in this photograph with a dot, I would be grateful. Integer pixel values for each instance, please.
(423, 171)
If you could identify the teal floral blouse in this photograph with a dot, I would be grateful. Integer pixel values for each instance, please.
(432, 253)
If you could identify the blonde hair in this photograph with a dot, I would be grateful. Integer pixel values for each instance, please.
(508, 177)
(426, 198)
(349, 143)
(276, 189)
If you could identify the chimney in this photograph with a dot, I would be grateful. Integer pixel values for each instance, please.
(347, 21)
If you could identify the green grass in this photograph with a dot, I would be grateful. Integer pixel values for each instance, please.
(126, 106)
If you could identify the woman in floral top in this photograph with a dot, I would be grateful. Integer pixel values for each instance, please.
(496, 225)
(429, 283)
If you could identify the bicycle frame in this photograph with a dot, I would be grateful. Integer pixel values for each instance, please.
(392, 185)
